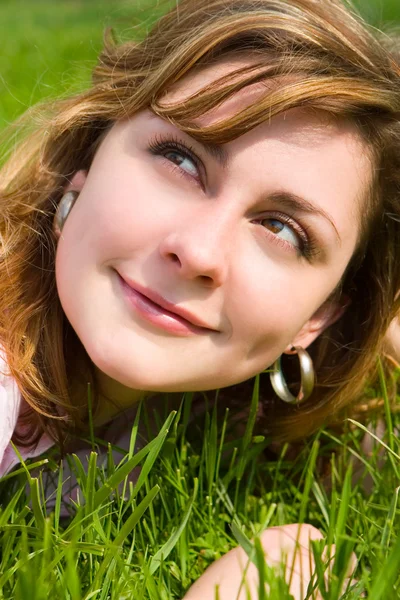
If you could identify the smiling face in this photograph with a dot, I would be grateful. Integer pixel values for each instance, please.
(247, 240)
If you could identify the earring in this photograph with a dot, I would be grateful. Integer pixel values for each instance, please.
(307, 378)
(63, 209)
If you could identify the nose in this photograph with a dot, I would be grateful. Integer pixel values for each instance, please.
(199, 249)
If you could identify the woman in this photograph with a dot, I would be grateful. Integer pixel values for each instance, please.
(227, 192)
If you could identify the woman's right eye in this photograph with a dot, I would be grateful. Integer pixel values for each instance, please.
(184, 162)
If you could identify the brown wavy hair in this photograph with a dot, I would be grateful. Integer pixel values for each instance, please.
(323, 57)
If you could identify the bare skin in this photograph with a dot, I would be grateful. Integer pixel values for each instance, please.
(288, 545)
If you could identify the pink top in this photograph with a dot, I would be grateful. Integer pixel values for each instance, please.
(11, 406)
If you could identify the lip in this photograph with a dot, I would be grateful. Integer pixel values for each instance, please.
(160, 311)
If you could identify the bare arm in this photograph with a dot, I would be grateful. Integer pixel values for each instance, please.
(289, 544)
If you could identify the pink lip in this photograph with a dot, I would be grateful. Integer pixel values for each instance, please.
(158, 311)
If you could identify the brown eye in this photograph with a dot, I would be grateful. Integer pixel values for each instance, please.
(185, 162)
(179, 155)
(273, 225)
(282, 230)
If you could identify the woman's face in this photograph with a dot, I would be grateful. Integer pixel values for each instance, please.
(247, 240)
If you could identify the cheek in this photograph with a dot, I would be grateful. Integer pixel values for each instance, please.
(269, 303)
(264, 313)
(108, 223)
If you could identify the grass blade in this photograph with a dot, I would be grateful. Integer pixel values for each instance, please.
(169, 545)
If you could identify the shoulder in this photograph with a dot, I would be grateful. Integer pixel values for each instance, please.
(11, 405)
(10, 401)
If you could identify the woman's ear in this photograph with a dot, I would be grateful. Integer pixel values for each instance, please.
(325, 316)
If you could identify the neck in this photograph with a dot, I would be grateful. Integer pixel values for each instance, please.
(113, 398)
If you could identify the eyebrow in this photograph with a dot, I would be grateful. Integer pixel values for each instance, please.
(297, 203)
(215, 151)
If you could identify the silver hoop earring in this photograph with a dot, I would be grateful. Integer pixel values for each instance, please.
(307, 378)
(63, 209)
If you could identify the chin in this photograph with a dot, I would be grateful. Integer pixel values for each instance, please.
(150, 378)
(144, 366)
(130, 372)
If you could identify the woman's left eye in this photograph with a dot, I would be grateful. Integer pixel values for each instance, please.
(284, 230)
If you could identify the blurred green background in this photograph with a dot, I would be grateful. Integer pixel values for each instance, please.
(49, 47)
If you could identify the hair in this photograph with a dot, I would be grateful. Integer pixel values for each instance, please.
(324, 58)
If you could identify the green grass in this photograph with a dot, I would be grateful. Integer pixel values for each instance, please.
(49, 48)
(193, 500)
(381, 13)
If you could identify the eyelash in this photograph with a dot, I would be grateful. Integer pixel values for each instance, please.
(160, 144)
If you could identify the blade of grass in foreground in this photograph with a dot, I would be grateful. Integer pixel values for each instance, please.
(152, 449)
(123, 533)
(388, 529)
(383, 586)
(169, 545)
(35, 495)
(153, 454)
(244, 455)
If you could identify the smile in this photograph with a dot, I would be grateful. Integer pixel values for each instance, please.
(160, 312)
